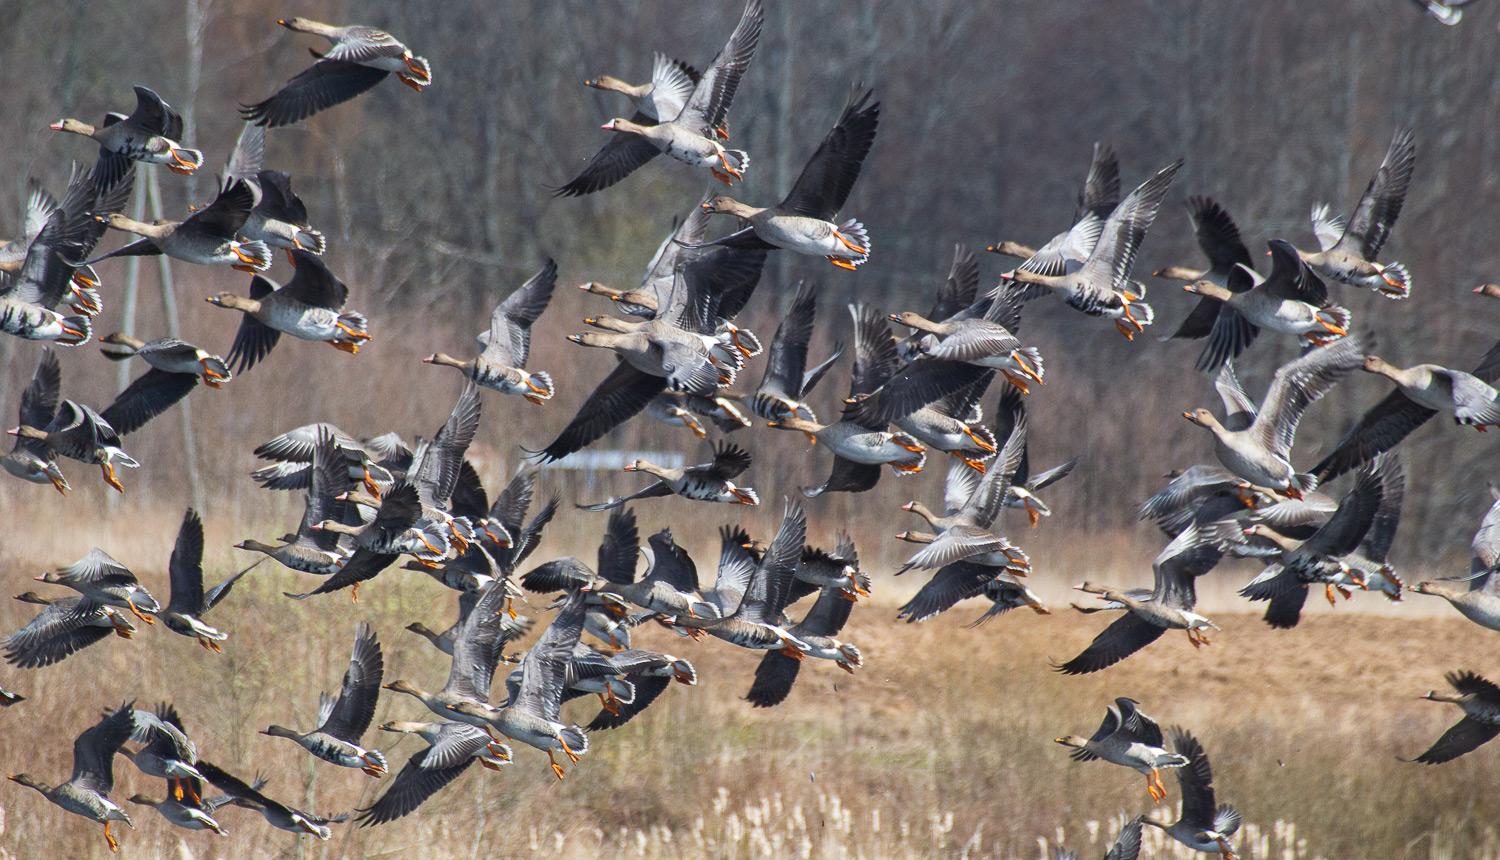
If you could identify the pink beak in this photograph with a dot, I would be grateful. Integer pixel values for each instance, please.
(56, 126)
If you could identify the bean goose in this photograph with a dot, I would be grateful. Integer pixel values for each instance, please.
(822, 569)
(1347, 252)
(150, 135)
(956, 299)
(1197, 496)
(276, 814)
(533, 715)
(311, 550)
(787, 380)
(208, 237)
(506, 347)
(1219, 239)
(1102, 286)
(861, 444)
(309, 307)
(1291, 300)
(1130, 739)
(176, 367)
(86, 792)
(188, 603)
(31, 459)
(476, 652)
(1479, 599)
(343, 720)
(759, 623)
(1479, 699)
(1260, 452)
(280, 217)
(451, 748)
(185, 812)
(1422, 391)
(660, 98)
(372, 462)
(358, 59)
(1297, 564)
(803, 221)
(102, 581)
(705, 482)
(690, 134)
(166, 751)
(79, 433)
(985, 341)
(819, 628)
(969, 531)
(1098, 197)
(962, 580)
(65, 627)
(1202, 826)
(650, 672)
(1168, 605)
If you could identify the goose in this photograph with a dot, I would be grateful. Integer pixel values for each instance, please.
(102, 581)
(967, 500)
(681, 409)
(1169, 605)
(208, 237)
(691, 133)
(280, 217)
(451, 748)
(649, 673)
(674, 355)
(372, 462)
(1219, 239)
(1294, 565)
(823, 569)
(962, 580)
(1202, 826)
(1127, 845)
(342, 721)
(1260, 452)
(716, 283)
(151, 134)
(735, 579)
(310, 306)
(169, 355)
(860, 443)
(1448, 12)
(1097, 198)
(1291, 300)
(1479, 600)
(510, 629)
(65, 627)
(1422, 391)
(987, 341)
(501, 365)
(787, 380)
(1479, 699)
(30, 459)
(166, 751)
(660, 98)
(1347, 252)
(476, 652)
(79, 433)
(758, 622)
(819, 628)
(393, 530)
(1199, 495)
(1128, 738)
(188, 603)
(532, 716)
(1021, 493)
(1490, 290)
(704, 482)
(39, 206)
(185, 812)
(1102, 286)
(969, 530)
(46, 274)
(310, 550)
(86, 792)
(359, 58)
(276, 814)
(955, 299)
(803, 221)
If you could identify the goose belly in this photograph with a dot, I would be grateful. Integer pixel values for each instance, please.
(801, 234)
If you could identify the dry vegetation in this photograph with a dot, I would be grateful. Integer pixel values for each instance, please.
(940, 747)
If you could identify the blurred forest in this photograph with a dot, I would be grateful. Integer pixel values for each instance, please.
(438, 204)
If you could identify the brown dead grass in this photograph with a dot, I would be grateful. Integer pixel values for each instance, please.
(940, 746)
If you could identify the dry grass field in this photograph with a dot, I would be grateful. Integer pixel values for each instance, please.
(941, 746)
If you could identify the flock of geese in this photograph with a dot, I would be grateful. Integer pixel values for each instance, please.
(378, 500)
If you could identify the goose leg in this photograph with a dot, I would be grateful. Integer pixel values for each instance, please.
(842, 263)
(1019, 383)
(109, 838)
(110, 478)
(370, 485)
(1031, 512)
(1028, 370)
(983, 443)
(146, 619)
(186, 785)
(568, 751)
(844, 240)
(212, 378)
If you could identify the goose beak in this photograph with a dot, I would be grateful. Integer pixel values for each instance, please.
(708, 207)
(58, 126)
